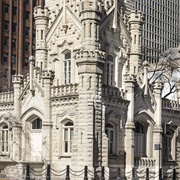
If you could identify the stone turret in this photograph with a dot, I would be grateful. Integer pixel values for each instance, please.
(41, 23)
(136, 22)
(90, 62)
(90, 18)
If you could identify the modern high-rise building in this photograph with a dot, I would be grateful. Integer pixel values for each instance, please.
(17, 38)
(161, 27)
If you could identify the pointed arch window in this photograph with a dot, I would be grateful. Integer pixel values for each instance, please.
(67, 68)
(110, 70)
(110, 132)
(4, 139)
(37, 124)
(68, 131)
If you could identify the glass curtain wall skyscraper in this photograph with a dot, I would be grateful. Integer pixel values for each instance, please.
(161, 26)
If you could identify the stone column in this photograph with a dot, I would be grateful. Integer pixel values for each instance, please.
(129, 127)
(157, 131)
(47, 121)
(17, 126)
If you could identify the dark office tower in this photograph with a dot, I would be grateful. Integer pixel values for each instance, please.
(161, 27)
(17, 38)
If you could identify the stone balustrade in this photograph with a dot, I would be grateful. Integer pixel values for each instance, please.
(144, 162)
(6, 97)
(113, 92)
(64, 90)
(170, 104)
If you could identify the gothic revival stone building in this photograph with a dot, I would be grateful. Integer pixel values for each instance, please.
(87, 99)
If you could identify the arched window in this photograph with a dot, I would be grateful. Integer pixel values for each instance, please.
(67, 137)
(67, 68)
(139, 140)
(36, 140)
(37, 124)
(110, 70)
(4, 139)
(110, 132)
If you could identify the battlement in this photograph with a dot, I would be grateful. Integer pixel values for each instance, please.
(90, 54)
(47, 74)
(158, 85)
(91, 5)
(129, 78)
(136, 17)
(39, 12)
(17, 79)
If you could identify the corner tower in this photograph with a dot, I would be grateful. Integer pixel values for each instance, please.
(41, 22)
(90, 61)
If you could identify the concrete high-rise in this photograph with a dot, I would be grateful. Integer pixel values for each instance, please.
(17, 38)
(161, 27)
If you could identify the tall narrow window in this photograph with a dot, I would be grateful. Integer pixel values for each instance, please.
(110, 70)
(109, 130)
(140, 140)
(4, 139)
(36, 140)
(67, 137)
(67, 68)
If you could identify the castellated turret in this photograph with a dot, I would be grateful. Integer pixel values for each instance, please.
(135, 22)
(41, 23)
(90, 18)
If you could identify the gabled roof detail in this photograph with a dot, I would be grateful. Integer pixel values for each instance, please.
(59, 18)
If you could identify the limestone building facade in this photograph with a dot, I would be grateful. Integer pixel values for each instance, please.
(86, 99)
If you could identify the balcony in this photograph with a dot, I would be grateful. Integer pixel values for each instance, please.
(143, 162)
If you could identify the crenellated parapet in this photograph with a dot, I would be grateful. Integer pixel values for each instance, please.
(158, 87)
(40, 13)
(88, 54)
(47, 74)
(17, 79)
(87, 58)
(47, 77)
